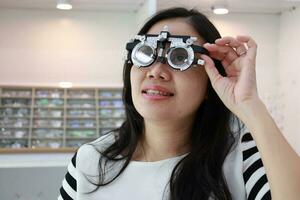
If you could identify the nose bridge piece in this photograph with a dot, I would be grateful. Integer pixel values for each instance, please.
(161, 54)
(162, 43)
(162, 59)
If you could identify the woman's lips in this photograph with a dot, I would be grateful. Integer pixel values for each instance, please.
(156, 92)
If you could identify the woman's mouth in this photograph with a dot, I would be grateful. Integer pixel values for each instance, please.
(152, 92)
(156, 93)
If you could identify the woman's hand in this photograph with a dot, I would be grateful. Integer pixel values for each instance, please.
(237, 56)
(239, 93)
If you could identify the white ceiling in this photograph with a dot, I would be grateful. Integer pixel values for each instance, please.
(114, 5)
(248, 6)
(256, 6)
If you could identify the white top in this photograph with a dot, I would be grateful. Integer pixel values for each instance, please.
(243, 172)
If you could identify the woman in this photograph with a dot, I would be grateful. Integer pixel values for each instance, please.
(181, 138)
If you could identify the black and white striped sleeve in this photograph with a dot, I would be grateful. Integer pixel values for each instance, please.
(255, 178)
(69, 184)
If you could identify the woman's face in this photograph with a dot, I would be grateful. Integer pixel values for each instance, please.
(162, 93)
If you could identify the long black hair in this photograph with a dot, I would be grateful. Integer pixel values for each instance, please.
(198, 175)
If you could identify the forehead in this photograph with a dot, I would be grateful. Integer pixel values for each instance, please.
(176, 26)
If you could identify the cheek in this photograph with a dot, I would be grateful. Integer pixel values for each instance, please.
(200, 85)
(133, 80)
(136, 77)
(194, 89)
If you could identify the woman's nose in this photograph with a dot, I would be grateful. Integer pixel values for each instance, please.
(160, 71)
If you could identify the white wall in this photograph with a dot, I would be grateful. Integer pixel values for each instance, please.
(43, 47)
(289, 73)
(46, 47)
(264, 28)
(147, 9)
(40, 47)
(37, 183)
(278, 63)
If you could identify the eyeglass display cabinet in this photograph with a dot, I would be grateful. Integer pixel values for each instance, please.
(35, 119)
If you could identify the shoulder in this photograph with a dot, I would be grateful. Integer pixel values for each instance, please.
(238, 130)
(240, 148)
(89, 154)
(254, 175)
(243, 167)
(244, 142)
(97, 145)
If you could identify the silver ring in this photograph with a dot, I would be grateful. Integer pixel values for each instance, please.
(242, 53)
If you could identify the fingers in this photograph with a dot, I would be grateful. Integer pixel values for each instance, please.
(224, 53)
(211, 70)
(234, 43)
(227, 49)
(251, 44)
(227, 40)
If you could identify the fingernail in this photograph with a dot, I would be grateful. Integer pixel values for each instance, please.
(202, 56)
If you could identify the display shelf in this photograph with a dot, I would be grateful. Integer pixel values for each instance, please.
(108, 98)
(81, 128)
(14, 97)
(5, 127)
(13, 137)
(36, 150)
(15, 106)
(81, 107)
(16, 92)
(53, 118)
(56, 119)
(49, 107)
(71, 118)
(14, 117)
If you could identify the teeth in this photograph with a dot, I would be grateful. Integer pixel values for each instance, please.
(156, 92)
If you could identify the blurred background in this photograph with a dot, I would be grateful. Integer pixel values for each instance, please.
(61, 76)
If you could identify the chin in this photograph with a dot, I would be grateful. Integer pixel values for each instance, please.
(155, 114)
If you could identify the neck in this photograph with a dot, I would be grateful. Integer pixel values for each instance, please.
(164, 139)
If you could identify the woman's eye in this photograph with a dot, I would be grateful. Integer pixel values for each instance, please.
(180, 57)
